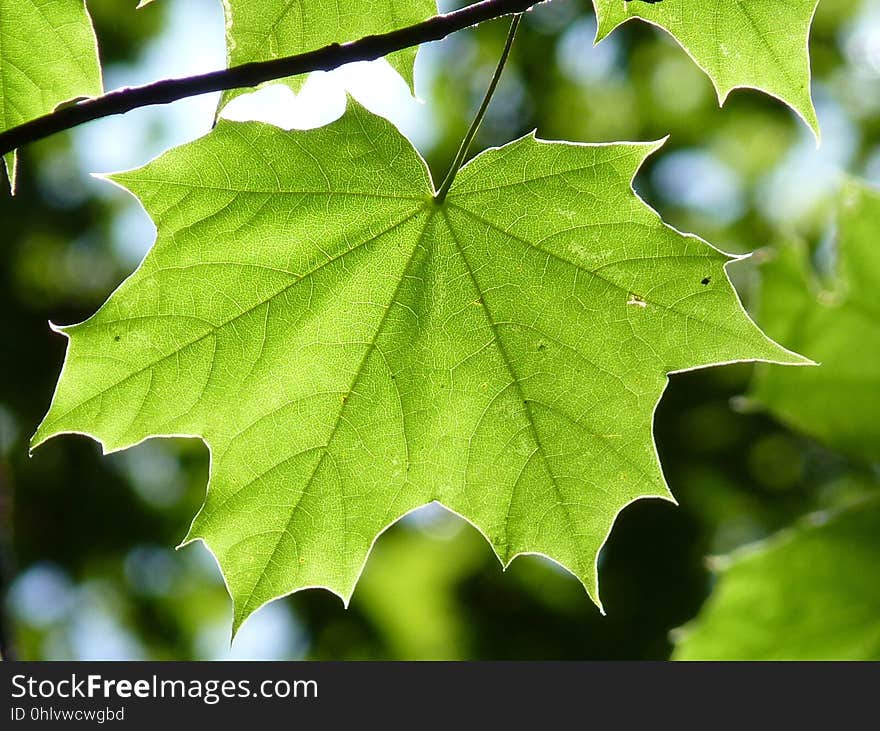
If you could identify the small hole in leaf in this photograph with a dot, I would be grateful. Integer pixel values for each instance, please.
(634, 299)
(705, 280)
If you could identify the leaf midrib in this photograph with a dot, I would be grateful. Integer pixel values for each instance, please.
(359, 371)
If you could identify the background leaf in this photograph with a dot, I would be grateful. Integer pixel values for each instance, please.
(807, 594)
(762, 44)
(262, 30)
(48, 55)
(835, 321)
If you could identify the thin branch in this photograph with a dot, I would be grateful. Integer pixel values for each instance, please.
(481, 112)
(330, 57)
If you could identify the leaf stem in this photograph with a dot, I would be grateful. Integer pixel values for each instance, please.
(460, 156)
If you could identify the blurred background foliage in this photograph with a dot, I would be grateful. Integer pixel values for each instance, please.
(88, 564)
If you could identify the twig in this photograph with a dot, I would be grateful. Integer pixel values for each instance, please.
(253, 74)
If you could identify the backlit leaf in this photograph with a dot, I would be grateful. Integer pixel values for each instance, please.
(262, 30)
(350, 349)
(760, 44)
(48, 55)
(811, 593)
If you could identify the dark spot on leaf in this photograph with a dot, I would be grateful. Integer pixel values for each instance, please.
(117, 338)
(541, 345)
(705, 280)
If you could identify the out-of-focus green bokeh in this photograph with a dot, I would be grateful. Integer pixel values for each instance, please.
(89, 568)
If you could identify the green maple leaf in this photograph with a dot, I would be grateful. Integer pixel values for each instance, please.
(807, 594)
(759, 44)
(837, 323)
(350, 349)
(262, 30)
(48, 55)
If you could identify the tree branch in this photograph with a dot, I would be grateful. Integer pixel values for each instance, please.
(252, 74)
